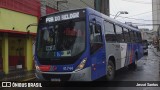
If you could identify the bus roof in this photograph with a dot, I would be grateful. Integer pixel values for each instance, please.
(94, 12)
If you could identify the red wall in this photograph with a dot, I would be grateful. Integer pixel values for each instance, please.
(13, 60)
(31, 7)
(50, 10)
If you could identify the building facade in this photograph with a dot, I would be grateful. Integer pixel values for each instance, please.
(16, 43)
(147, 34)
(156, 21)
(62, 5)
(156, 13)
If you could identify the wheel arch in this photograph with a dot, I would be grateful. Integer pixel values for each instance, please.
(112, 58)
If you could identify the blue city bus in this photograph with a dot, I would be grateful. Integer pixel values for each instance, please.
(84, 45)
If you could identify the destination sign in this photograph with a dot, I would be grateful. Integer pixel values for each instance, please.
(64, 16)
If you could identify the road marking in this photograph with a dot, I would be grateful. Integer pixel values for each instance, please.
(28, 79)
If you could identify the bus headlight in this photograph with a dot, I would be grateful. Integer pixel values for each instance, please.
(81, 65)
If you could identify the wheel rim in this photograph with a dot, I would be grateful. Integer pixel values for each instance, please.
(110, 70)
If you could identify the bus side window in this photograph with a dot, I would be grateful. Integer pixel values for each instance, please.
(132, 35)
(119, 33)
(110, 35)
(126, 35)
(95, 37)
(136, 37)
(139, 37)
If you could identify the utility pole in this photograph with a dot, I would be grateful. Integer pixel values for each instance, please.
(102, 6)
(105, 7)
(43, 7)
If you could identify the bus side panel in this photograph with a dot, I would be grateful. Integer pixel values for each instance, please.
(123, 52)
(112, 50)
(135, 49)
(140, 51)
(131, 49)
(127, 54)
(131, 53)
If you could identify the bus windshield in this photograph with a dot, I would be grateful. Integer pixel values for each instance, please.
(61, 39)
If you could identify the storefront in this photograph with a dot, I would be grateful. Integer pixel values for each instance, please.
(17, 43)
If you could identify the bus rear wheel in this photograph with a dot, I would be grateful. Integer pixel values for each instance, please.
(110, 71)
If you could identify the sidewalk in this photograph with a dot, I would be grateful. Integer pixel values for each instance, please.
(156, 52)
(18, 75)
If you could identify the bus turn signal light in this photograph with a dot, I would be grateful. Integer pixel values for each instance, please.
(44, 68)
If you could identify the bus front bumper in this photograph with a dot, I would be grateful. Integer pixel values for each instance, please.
(81, 75)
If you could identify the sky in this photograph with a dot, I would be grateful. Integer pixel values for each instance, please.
(138, 10)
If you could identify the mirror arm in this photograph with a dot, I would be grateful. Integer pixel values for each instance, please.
(28, 31)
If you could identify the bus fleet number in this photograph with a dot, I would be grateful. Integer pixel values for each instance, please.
(67, 68)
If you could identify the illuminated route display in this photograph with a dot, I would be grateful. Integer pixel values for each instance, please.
(63, 16)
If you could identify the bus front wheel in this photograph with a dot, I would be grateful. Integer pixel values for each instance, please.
(110, 71)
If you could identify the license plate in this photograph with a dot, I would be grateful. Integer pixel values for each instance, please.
(56, 79)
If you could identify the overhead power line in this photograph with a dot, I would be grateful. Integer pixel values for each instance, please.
(141, 13)
(139, 2)
(135, 18)
(145, 12)
(141, 24)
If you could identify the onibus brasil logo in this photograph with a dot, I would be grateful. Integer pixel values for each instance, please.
(17, 84)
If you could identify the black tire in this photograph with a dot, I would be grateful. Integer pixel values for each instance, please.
(110, 71)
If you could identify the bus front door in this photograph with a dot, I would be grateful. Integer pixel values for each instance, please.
(97, 49)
